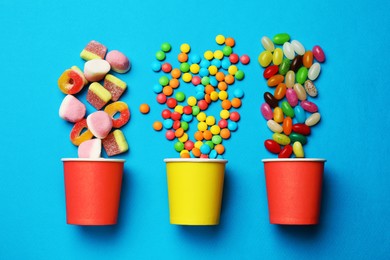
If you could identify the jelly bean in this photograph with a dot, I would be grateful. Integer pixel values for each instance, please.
(307, 59)
(267, 44)
(298, 47)
(265, 58)
(301, 129)
(295, 137)
(298, 150)
(281, 139)
(270, 71)
(287, 109)
(277, 56)
(286, 151)
(311, 88)
(288, 51)
(309, 106)
(275, 80)
(266, 111)
(284, 67)
(280, 91)
(278, 115)
(270, 99)
(313, 119)
(318, 53)
(314, 71)
(274, 127)
(290, 79)
(272, 146)
(301, 75)
(281, 38)
(300, 114)
(296, 63)
(292, 97)
(287, 125)
(301, 93)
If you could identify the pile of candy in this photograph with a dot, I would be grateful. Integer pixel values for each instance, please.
(210, 76)
(291, 70)
(100, 123)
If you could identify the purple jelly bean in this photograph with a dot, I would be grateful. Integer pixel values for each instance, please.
(266, 111)
(309, 106)
(318, 53)
(292, 97)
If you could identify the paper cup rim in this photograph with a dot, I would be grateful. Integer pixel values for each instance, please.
(91, 160)
(199, 160)
(294, 160)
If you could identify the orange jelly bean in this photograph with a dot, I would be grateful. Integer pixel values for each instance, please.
(275, 80)
(287, 125)
(307, 59)
(280, 91)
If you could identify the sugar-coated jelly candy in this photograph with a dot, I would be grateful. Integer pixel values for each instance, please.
(287, 125)
(281, 139)
(267, 44)
(286, 151)
(290, 79)
(284, 67)
(296, 63)
(275, 80)
(274, 127)
(301, 93)
(270, 99)
(115, 86)
(266, 111)
(298, 47)
(270, 71)
(314, 71)
(292, 97)
(115, 143)
(294, 137)
(277, 56)
(307, 59)
(123, 110)
(287, 109)
(93, 50)
(311, 88)
(97, 95)
(300, 114)
(309, 106)
(313, 119)
(71, 81)
(288, 51)
(278, 115)
(280, 91)
(301, 75)
(318, 53)
(301, 128)
(281, 38)
(78, 135)
(298, 150)
(272, 146)
(265, 58)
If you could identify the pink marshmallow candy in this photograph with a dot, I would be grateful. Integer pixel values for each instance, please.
(95, 70)
(99, 123)
(90, 149)
(118, 61)
(72, 109)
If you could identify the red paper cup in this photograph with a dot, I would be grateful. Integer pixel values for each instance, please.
(92, 190)
(294, 190)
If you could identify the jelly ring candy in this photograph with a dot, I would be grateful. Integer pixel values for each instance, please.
(123, 110)
(71, 81)
(76, 136)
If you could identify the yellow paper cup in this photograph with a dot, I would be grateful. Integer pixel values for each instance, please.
(195, 188)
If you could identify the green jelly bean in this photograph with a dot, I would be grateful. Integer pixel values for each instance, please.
(284, 67)
(281, 139)
(287, 109)
(295, 137)
(301, 75)
(281, 38)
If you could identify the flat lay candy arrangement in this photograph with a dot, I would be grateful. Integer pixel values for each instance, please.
(291, 70)
(99, 128)
(188, 91)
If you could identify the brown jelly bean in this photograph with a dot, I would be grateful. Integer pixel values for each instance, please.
(296, 63)
(270, 99)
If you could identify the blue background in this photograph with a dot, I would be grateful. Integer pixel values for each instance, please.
(40, 39)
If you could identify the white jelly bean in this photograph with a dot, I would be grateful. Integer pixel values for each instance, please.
(301, 93)
(314, 71)
(267, 44)
(313, 119)
(288, 51)
(274, 127)
(290, 79)
(298, 47)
